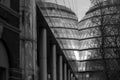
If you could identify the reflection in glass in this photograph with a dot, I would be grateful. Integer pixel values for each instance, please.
(100, 44)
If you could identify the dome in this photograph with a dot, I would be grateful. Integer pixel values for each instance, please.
(99, 38)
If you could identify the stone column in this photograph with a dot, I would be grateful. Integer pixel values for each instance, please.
(43, 55)
(60, 68)
(28, 39)
(69, 74)
(54, 68)
(65, 71)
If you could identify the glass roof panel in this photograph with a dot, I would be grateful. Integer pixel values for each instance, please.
(69, 44)
(92, 75)
(73, 52)
(89, 43)
(91, 32)
(113, 65)
(90, 65)
(65, 33)
(62, 22)
(70, 54)
(85, 24)
(98, 65)
(83, 55)
(74, 66)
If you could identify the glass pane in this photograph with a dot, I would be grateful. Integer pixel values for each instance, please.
(87, 33)
(90, 43)
(69, 44)
(92, 76)
(92, 65)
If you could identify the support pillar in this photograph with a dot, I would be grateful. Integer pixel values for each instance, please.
(60, 68)
(65, 71)
(69, 74)
(43, 55)
(54, 66)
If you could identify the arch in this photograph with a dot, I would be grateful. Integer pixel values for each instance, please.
(3, 56)
(4, 64)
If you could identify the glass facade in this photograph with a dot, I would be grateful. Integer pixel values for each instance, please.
(72, 4)
(94, 2)
(91, 47)
(100, 43)
(63, 23)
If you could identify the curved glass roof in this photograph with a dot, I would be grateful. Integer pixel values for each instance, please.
(63, 23)
(67, 3)
(101, 44)
(91, 48)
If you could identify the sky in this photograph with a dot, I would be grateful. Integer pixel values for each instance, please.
(83, 6)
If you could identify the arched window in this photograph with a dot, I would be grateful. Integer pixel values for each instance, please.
(3, 62)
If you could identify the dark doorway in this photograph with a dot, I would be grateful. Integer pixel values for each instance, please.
(2, 73)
